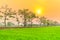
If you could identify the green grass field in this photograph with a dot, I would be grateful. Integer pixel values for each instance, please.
(42, 33)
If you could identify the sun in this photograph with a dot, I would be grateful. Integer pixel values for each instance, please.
(38, 11)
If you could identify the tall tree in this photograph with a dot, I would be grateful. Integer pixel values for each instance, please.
(14, 14)
(17, 19)
(5, 13)
(1, 17)
(55, 23)
(48, 22)
(30, 17)
(24, 12)
(43, 20)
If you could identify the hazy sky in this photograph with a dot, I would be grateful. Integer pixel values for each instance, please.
(51, 8)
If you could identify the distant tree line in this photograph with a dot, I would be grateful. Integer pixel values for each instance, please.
(27, 15)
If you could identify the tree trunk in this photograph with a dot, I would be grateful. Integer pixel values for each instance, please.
(17, 20)
(5, 20)
(47, 24)
(24, 22)
(18, 24)
(40, 24)
(31, 22)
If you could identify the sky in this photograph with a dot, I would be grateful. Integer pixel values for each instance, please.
(50, 8)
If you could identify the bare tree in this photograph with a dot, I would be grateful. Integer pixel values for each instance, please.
(5, 13)
(30, 17)
(24, 12)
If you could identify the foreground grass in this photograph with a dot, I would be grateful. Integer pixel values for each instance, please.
(42, 33)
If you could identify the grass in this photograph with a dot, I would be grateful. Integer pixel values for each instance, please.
(42, 33)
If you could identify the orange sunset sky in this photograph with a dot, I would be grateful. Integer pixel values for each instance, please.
(50, 8)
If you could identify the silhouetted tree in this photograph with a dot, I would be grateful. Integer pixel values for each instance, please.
(43, 20)
(5, 13)
(17, 19)
(25, 13)
(30, 17)
(55, 23)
